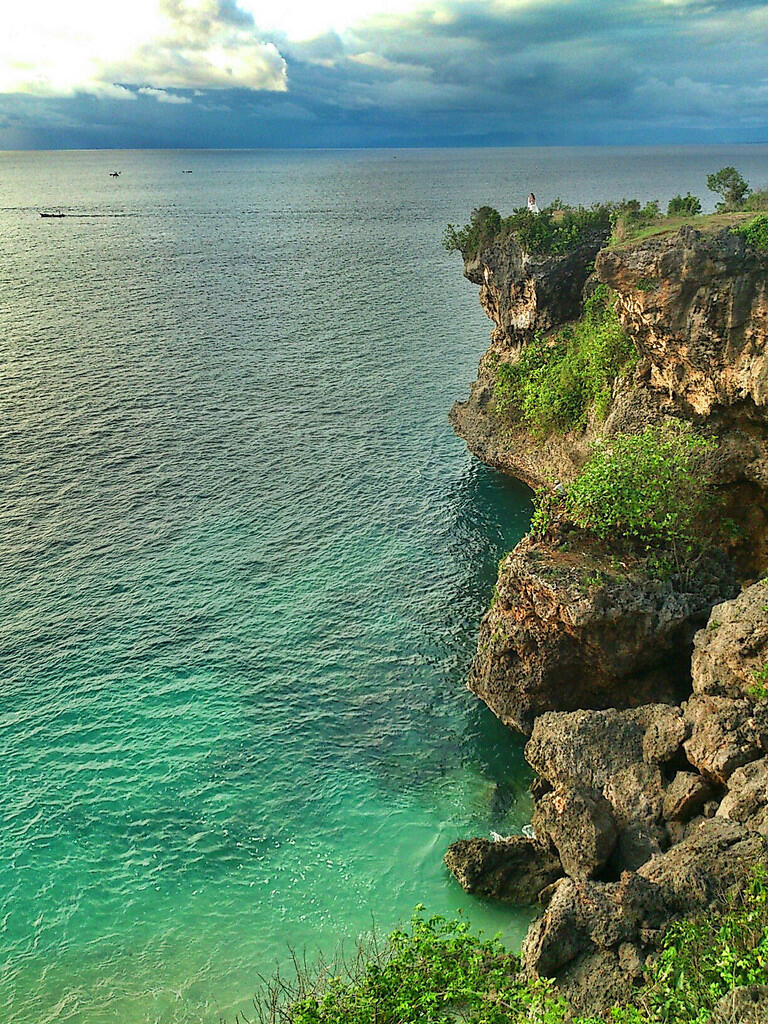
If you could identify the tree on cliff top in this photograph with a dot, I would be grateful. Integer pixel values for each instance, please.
(728, 183)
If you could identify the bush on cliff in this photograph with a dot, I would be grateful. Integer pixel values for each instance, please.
(484, 225)
(684, 206)
(730, 186)
(439, 972)
(651, 487)
(556, 382)
(755, 232)
(557, 230)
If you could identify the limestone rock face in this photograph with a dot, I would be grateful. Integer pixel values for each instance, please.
(730, 656)
(525, 294)
(588, 918)
(580, 825)
(696, 304)
(725, 734)
(685, 796)
(747, 798)
(514, 870)
(563, 635)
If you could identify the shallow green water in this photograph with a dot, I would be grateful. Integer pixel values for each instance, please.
(244, 559)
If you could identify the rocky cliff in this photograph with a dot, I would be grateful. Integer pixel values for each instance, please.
(643, 693)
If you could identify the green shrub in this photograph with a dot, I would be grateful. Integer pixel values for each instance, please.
(651, 487)
(704, 959)
(439, 972)
(757, 200)
(556, 382)
(684, 206)
(730, 186)
(436, 972)
(484, 225)
(755, 233)
(556, 230)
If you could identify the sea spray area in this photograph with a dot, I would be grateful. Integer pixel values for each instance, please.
(244, 564)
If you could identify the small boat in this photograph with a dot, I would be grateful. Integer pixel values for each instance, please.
(114, 174)
(53, 214)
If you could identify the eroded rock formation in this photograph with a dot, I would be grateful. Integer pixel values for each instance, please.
(646, 701)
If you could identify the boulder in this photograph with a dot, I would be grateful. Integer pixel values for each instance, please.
(615, 752)
(637, 843)
(730, 656)
(685, 796)
(636, 794)
(580, 825)
(745, 1005)
(717, 857)
(513, 870)
(568, 633)
(725, 734)
(586, 916)
(747, 798)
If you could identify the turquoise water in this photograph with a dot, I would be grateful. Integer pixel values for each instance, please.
(243, 561)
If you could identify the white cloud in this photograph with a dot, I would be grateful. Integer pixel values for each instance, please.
(92, 46)
(162, 96)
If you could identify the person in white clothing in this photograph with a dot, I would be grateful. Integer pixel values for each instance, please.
(532, 207)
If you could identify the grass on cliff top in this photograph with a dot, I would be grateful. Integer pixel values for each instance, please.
(710, 223)
(556, 382)
(440, 972)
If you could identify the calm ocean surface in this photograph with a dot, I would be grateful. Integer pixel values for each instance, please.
(243, 559)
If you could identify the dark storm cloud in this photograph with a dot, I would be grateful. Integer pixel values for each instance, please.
(555, 71)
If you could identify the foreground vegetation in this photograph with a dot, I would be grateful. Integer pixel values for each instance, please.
(440, 972)
(557, 382)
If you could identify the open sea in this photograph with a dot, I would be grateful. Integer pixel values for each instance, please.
(243, 559)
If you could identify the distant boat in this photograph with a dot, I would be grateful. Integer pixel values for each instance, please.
(186, 172)
(53, 214)
(114, 174)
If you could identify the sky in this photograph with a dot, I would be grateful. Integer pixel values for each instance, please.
(338, 73)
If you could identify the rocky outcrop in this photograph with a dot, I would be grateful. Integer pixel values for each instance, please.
(649, 733)
(730, 656)
(747, 798)
(579, 824)
(513, 870)
(587, 630)
(696, 304)
(524, 294)
(725, 734)
(608, 928)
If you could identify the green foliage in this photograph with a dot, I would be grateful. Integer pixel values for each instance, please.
(651, 487)
(730, 186)
(556, 230)
(545, 504)
(484, 225)
(755, 233)
(684, 206)
(439, 972)
(757, 200)
(556, 382)
(436, 972)
(759, 690)
(628, 217)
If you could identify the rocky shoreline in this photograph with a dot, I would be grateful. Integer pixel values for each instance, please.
(643, 694)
